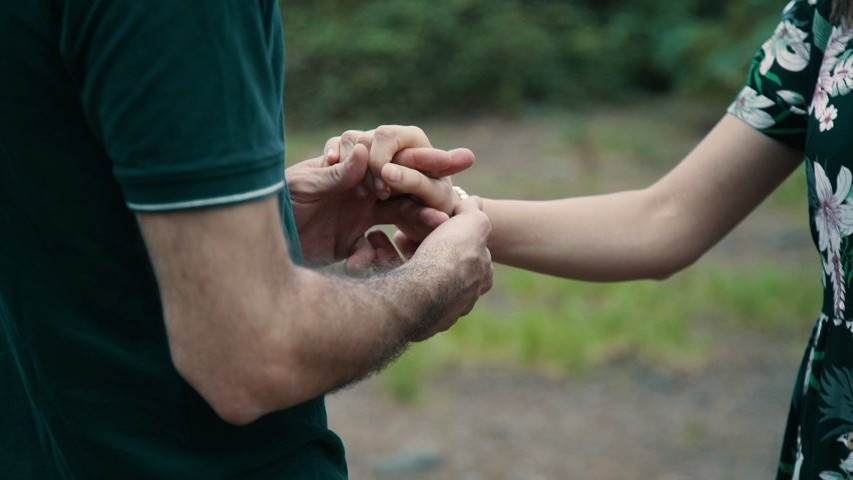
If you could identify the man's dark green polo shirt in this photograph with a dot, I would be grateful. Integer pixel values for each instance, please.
(109, 107)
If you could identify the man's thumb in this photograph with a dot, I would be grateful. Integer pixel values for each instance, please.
(347, 174)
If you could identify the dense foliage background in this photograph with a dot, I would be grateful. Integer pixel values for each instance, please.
(405, 59)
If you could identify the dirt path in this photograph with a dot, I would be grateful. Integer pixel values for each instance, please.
(621, 422)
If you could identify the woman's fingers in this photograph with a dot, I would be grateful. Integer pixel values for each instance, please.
(435, 193)
(434, 162)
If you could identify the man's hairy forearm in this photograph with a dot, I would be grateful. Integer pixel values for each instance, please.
(359, 325)
(254, 333)
(319, 333)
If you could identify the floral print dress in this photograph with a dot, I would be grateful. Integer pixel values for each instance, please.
(799, 92)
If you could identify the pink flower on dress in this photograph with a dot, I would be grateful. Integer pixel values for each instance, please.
(827, 119)
(833, 221)
(749, 106)
(832, 81)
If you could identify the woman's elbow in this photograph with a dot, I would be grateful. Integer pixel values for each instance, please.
(674, 262)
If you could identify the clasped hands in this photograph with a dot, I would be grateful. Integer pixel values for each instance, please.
(388, 175)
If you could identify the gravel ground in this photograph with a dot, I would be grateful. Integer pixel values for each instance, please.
(623, 421)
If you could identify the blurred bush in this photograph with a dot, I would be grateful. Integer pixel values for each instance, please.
(403, 59)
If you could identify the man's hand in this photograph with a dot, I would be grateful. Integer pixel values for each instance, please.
(461, 243)
(332, 213)
(253, 333)
(405, 168)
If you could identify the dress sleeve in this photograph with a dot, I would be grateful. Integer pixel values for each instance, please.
(783, 74)
(185, 96)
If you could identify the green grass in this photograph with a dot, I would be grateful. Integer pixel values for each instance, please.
(302, 145)
(568, 328)
(790, 197)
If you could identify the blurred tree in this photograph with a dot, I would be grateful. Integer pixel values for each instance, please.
(407, 58)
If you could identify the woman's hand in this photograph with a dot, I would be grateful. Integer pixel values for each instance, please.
(334, 210)
(408, 147)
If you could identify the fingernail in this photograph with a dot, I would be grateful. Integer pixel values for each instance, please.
(330, 152)
(380, 185)
(394, 173)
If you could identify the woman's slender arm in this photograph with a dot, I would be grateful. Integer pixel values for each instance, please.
(649, 233)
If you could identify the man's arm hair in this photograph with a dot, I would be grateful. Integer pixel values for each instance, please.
(253, 333)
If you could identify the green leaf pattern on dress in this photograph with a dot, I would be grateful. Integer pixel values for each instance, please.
(837, 406)
(795, 92)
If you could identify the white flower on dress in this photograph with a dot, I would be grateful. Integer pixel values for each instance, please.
(820, 102)
(748, 107)
(835, 77)
(787, 47)
(833, 221)
(847, 464)
(789, 6)
(827, 120)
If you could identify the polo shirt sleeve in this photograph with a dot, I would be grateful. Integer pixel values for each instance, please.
(184, 95)
(780, 86)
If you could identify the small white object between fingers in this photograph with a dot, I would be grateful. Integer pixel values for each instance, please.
(462, 193)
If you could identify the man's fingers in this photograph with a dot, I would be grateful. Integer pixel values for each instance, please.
(431, 218)
(386, 254)
(373, 251)
(387, 141)
(346, 175)
(361, 256)
(404, 244)
(402, 210)
(434, 162)
(366, 138)
(414, 219)
(320, 177)
(348, 141)
(332, 150)
(428, 220)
